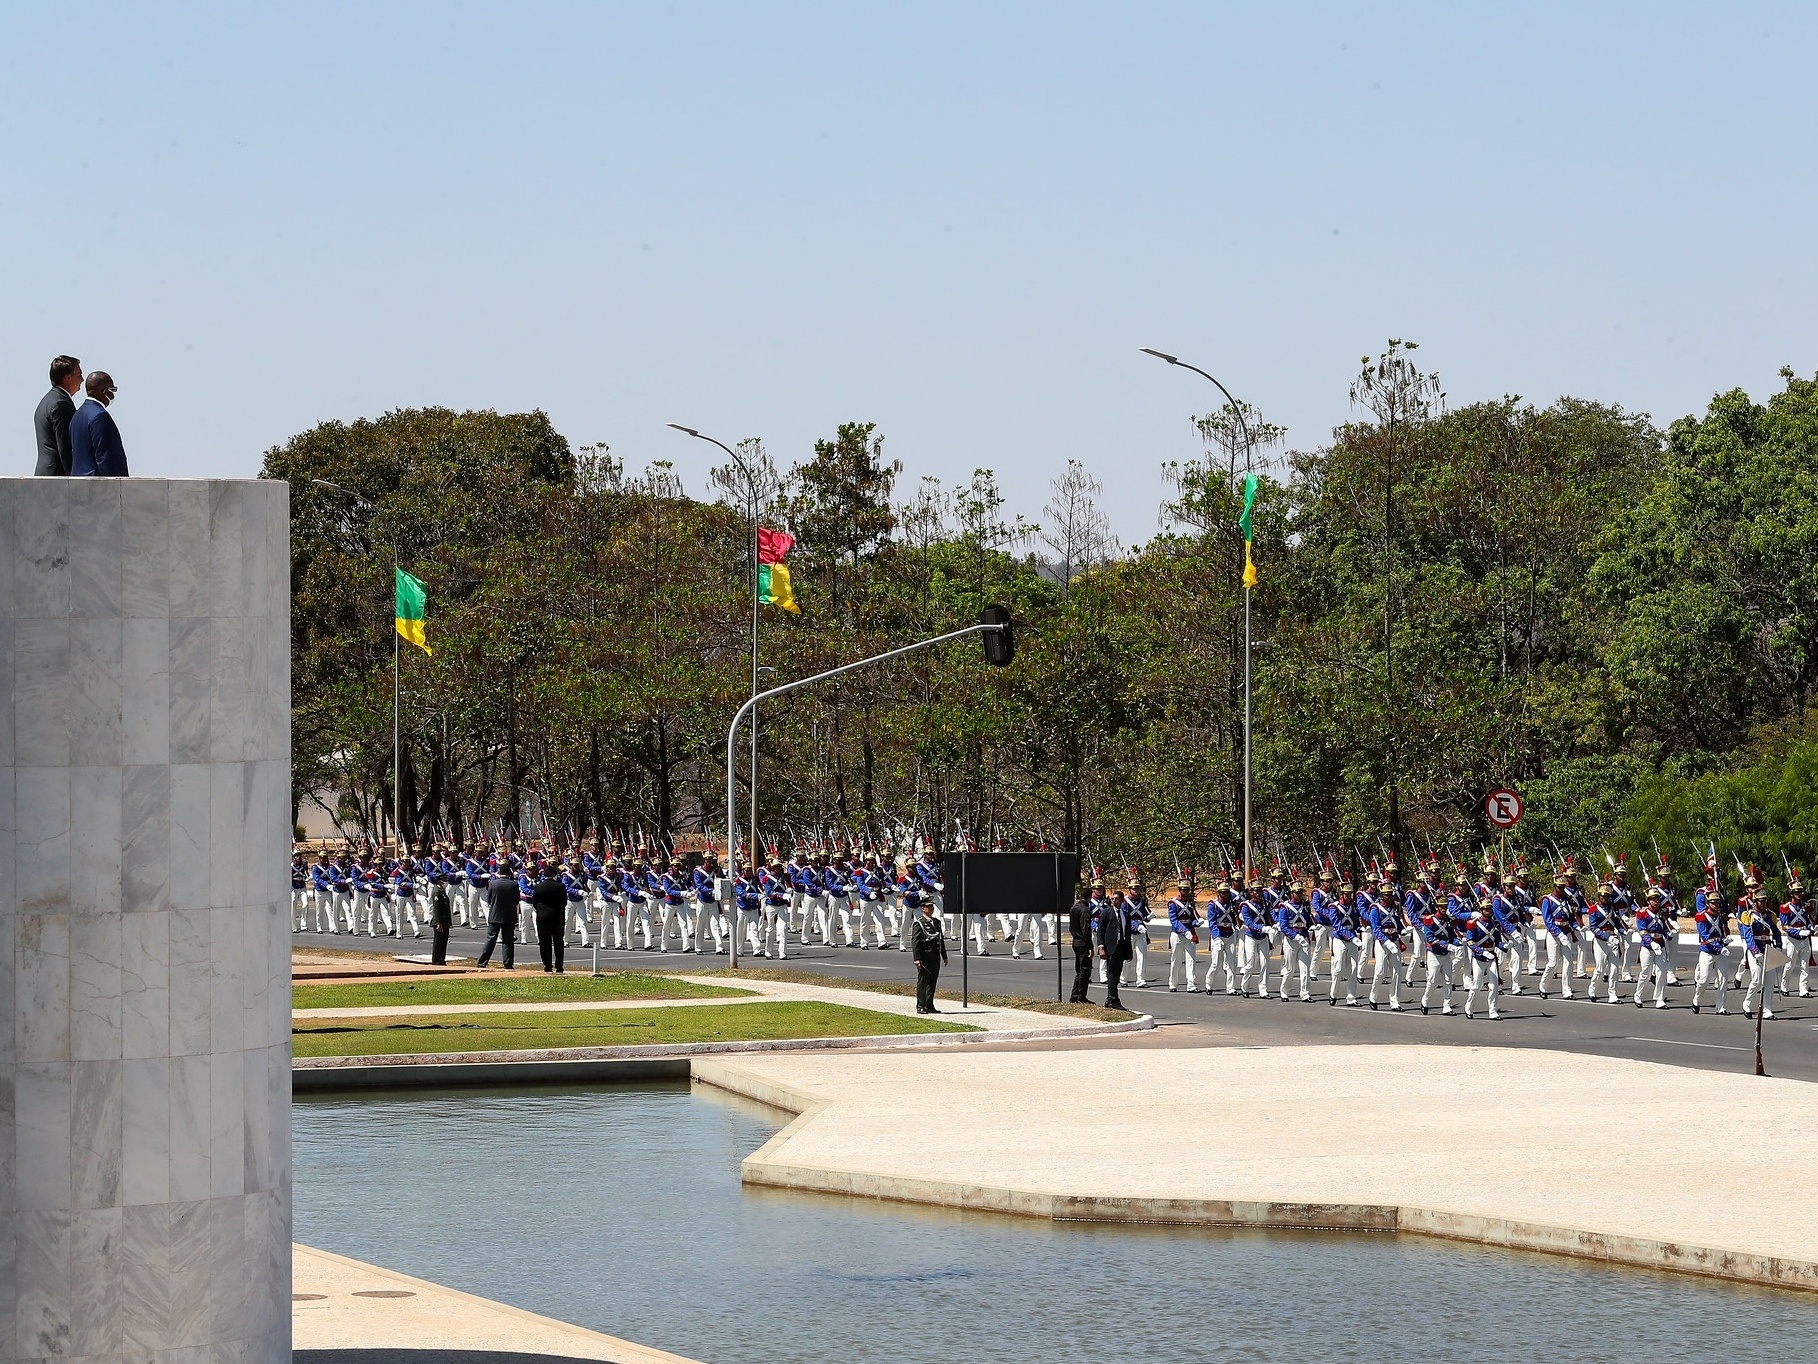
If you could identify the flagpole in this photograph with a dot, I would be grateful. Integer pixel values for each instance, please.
(397, 788)
(732, 847)
(1237, 411)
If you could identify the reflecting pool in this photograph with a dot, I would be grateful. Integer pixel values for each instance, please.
(620, 1209)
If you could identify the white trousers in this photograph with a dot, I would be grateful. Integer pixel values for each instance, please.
(1760, 979)
(1562, 955)
(1607, 954)
(1344, 968)
(1484, 971)
(1139, 955)
(1221, 952)
(1182, 950)
(1388, 960)
(1710, 971)
(776, 930)
(1653, 963)
(1252, 956)
(1440, 965)
(1295, 954)
(1029, 923)
(1799, 958)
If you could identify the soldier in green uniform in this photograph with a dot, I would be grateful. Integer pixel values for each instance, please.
(929, 945)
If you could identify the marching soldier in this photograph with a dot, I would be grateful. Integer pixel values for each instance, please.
(1760, 930)
(1480, 941)
(1292, 922)
(1183, 933)
(1796, 934)
(1387, 931)
(1221, 937)
(1653, 927)
(1607, 933)
(1560, 917)
(1711, 915)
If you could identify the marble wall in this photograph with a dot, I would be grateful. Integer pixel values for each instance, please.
(144, 953)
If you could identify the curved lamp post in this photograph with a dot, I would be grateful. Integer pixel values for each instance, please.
(1237, 411)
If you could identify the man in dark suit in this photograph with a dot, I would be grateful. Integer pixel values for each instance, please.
(51, 420)
(549, 907)
(501, 917)
(1113, 943)
(95, 447)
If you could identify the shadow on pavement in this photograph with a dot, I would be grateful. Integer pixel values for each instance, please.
(400, 1355)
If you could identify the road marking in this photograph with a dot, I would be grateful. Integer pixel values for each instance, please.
(851, 966)
(1669, 1042)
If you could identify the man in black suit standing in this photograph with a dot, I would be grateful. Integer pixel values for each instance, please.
(549, 907)
(51, 420)
(501, 918)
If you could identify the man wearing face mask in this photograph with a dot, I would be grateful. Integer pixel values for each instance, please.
(95, 447)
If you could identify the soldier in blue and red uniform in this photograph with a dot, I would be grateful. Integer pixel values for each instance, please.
(1796, 935)
(1712, 917)
(1382, 916)
(1654, 928)
(1436, 936)
(1760, 929)
(1221, 937)
(1480, 939)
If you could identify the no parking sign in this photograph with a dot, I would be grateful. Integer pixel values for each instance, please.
(1502, 807)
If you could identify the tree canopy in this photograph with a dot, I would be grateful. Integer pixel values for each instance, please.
(1620, 622)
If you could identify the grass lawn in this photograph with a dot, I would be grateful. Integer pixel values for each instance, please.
(517, 988)
(591, 1028)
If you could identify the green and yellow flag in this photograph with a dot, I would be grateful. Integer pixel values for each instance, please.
(1246, 524)
(412, 600)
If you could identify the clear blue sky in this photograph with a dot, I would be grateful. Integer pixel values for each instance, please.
(958, 221)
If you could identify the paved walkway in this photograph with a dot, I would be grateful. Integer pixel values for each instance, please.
(342, 1308)
(1538, 1150)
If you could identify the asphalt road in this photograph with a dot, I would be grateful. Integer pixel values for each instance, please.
(1669, 1036)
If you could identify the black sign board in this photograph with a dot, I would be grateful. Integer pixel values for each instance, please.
(1009, 882)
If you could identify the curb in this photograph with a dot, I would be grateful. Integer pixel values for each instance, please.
(763, 1168)
(320, 1074)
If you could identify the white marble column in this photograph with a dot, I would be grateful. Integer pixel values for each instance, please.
(144, 907)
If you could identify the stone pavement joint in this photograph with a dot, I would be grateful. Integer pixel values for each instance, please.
(1529, 1150)
(426, 1317)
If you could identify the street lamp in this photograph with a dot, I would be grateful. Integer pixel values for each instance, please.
(1237, 411)
(397, 766)
(752, 489)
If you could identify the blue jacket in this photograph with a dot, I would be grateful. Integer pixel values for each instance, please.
(95, 447)
(1385, 927)
(1183, 918)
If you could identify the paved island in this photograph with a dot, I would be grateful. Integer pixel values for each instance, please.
(1526, 1149)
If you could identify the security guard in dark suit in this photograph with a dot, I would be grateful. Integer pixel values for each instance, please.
(1113, 942)
(1079, 925)
(502, 910)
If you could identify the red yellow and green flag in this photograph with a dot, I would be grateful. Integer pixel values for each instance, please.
(412, 603)
(773, 573)
(1246, 524)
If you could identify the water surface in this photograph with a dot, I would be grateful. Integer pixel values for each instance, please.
(620, 1209)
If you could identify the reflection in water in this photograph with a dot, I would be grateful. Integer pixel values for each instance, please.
(620, 1209)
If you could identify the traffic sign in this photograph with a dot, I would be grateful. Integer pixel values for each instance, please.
(1503, 808)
